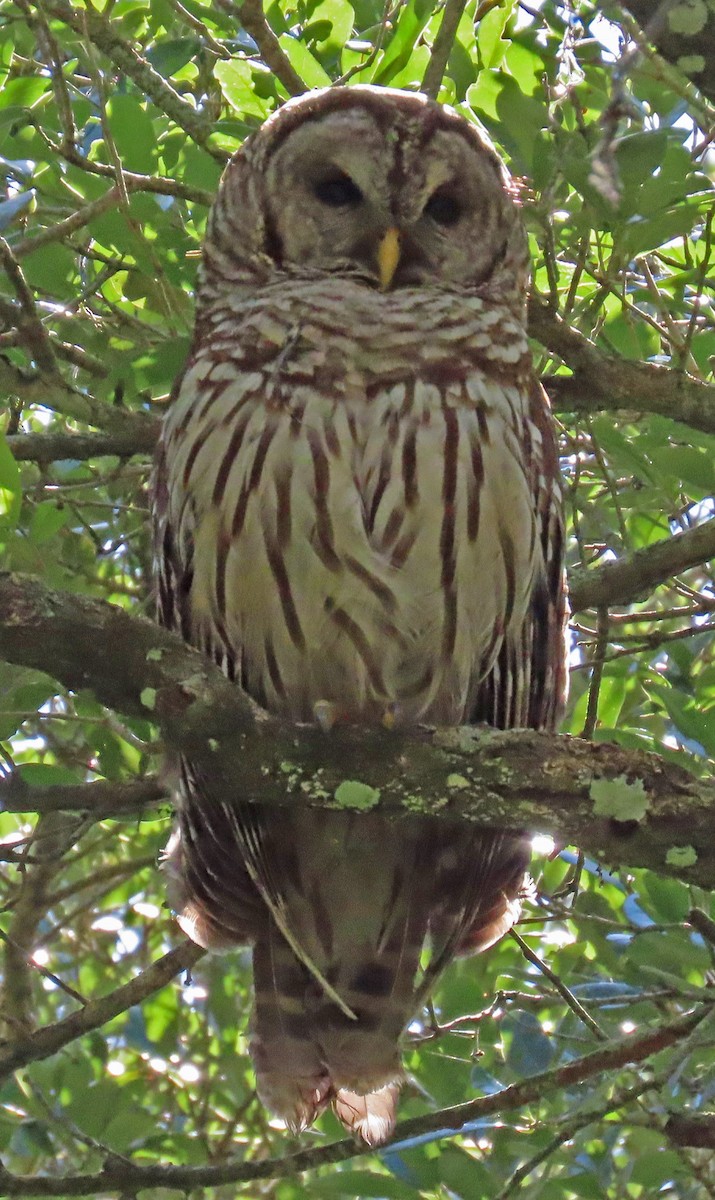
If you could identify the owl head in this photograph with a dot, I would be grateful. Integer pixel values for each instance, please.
(382, 186)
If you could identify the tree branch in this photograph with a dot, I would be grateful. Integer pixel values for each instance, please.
(602, 381)
(102, 798)
(78, 447)
(33, 388)
(253, 19)
(442, 48)
(51, 1038)
(633, 576)
(648, 813)
(128, 1178)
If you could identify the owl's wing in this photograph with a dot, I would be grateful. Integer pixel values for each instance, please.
(527, 684)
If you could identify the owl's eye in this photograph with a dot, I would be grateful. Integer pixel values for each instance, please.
(443, 207)
(338, 191)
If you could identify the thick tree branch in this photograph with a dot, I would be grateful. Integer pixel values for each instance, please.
(647, 813)
(608, 382)
(130, 1179)
(633, 576)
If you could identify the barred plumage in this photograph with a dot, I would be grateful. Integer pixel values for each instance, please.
(357, 512)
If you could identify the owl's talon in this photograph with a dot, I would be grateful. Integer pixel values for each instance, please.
(326, 714)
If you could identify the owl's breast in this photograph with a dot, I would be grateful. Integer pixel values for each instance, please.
(361, 541)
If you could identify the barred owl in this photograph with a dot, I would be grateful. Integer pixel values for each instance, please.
(357, 515)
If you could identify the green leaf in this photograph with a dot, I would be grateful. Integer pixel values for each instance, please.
(339, 18)
(413, 16)
(47, 520)
(491, 41)
(236, 79)
(133, 133)
(303, 62)
(531, 1051)
(10, 483)
(171, 55)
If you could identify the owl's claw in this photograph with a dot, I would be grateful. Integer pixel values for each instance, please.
(326, 714)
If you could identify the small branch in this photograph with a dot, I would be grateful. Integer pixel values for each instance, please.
(134, 182)
(608, 382)
(130, 1178)
(633, 576)
(51, 837)
(516, 780)
(55, 233)
(253, 19)
(566, 994)
(103, 798)
(78, 447)
(442, 47)
(51, 1038)
(30, 328)
(32, 388)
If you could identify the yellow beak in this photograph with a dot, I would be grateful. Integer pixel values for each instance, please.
(388, 256)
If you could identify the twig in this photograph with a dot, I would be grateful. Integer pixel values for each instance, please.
(30, 327)
(55, 233)
(442, 47)
(145, 183)
(594, 689)
(253, 19)
(575, 1005)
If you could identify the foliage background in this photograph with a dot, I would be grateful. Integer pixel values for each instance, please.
(114, 126)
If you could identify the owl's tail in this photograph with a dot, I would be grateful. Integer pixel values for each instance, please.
(338, 908)
(309, 1053)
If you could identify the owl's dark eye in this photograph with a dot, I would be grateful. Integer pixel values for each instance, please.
(338, 191)
(443, 207)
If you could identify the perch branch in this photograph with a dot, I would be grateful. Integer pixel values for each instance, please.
(661, 816)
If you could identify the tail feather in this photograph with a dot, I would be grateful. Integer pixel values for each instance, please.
(370, 1117)
(346, 931)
